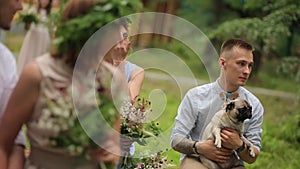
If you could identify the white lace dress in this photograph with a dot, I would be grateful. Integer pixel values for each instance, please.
(36, 42)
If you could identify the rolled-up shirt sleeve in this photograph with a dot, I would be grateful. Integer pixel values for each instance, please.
(253, 128)
(185, 119)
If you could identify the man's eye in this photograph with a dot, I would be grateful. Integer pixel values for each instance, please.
(241, 63)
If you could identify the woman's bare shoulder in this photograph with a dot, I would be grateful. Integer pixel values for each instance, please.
(31, 72)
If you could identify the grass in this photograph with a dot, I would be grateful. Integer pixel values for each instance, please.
(280, 139)
(278, 112)
(14, 42)
(154, 89)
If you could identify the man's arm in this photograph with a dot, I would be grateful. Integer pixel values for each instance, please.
(184, 122)
(204, 148)
(245, 155)
(183, 145)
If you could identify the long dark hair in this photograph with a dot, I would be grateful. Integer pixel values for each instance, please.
(47, 8)
(72, 34)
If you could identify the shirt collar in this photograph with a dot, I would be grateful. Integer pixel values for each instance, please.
(218, 89)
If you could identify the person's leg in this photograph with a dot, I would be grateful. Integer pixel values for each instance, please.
(191, 163)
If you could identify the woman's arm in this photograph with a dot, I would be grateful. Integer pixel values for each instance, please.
(18, 110)
(135, 83)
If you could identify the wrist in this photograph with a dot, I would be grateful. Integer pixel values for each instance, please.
(241, 148)
(195, 148)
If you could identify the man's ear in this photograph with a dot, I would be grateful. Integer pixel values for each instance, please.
(221, 61)
(230, 106)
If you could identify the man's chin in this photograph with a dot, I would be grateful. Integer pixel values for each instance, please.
(242, 83)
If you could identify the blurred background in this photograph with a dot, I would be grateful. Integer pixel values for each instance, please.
(272, 26)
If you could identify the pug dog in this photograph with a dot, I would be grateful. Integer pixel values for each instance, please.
(232, 115)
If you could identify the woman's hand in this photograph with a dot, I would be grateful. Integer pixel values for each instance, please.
(125, 142)
(109, 151)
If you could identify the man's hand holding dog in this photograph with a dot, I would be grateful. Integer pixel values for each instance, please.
(231, 139)
(209, 150)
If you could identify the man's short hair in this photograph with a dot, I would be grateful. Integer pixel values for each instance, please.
(235, 42)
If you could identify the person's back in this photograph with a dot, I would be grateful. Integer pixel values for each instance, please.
(56, 78)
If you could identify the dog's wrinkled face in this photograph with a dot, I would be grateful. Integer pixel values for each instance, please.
(239, 110)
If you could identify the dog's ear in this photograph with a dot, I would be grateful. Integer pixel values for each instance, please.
(230, 106)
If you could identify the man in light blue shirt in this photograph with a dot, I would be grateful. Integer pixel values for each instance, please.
(201, 103)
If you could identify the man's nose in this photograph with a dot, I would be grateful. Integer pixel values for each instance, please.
(125, 45)
(247, 70)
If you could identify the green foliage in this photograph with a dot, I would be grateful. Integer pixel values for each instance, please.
(245, 28)
(29, 18)
(236, 4)
(72, 35)
(278, 24)
(291, 128)
(197, 8)
(266, 29)
(280, 146)
(290, 68)
(254, 4)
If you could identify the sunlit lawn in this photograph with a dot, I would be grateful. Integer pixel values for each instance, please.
(14, 42)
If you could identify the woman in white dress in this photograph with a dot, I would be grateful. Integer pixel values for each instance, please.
(37, 39)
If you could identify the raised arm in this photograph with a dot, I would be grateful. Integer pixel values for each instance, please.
(136, 82)
(18, 110)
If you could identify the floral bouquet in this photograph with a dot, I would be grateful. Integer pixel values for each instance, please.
(28, 16)
(134, 125)
(134, 118)
(153, 161)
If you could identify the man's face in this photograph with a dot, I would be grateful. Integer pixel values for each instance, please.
(8, 9)
(238, 66)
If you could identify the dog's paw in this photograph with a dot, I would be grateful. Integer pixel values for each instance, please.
(218, 143)
(252, 154)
